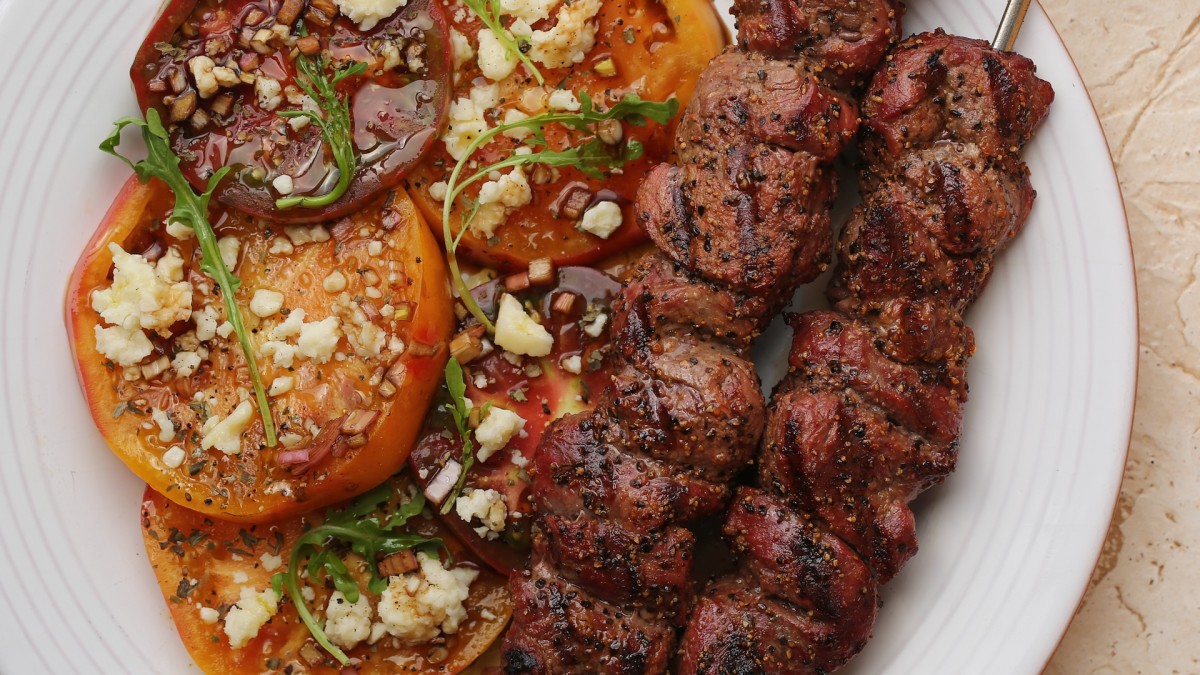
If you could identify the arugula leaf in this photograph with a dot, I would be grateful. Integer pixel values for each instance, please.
(591, 156)
(489, 13)
(192, 210)
(335, 124)
(456, 384)
(370, 536)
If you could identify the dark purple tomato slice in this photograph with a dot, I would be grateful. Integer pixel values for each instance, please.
(540, 390)
(220, 72)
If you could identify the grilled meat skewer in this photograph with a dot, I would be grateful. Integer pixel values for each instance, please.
(870, 413)
(740, 222)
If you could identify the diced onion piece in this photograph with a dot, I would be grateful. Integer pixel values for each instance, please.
(443, 482)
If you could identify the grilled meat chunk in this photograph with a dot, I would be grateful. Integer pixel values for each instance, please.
(870, 413)
(740, 222)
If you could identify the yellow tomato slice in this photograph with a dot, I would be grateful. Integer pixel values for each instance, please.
(355, 416)
(203, 564)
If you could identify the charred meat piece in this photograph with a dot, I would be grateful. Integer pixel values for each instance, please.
(871, 411)
(740, 222)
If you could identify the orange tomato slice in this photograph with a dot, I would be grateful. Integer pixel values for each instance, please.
(356, 415)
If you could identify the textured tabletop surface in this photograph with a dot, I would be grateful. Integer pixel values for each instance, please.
(1141, 62)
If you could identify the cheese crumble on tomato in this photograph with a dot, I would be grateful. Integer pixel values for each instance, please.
(485, 506)
(347, 623)
(368, 13)
(496, 430)
(518, 333)
(252, 611)
(142, 296)
(417, 606)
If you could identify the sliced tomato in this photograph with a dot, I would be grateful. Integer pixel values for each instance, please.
(655, 48)
(539, 390)
(344, 425)
(203, 564)
(396, 110)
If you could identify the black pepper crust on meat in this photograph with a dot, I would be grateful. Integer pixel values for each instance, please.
(870, 413)
(740, 221)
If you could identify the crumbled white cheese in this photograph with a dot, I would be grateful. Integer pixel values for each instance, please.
(281, 246)
(226, 434)
(186, 363)
(304, 234)
(270, 562)
(564, 99)
(375, 248)
(266, 302)
(461, 47)
(529, 11)
(225, 329)
(206, 323)
(249, 615)
(596, 326)
(346, 623)
(498, 198)
(179, 231)
(283, 183)
(415, 607)
(268, 92)
(230, 247)
(334, 282)
(282, 354)
(466, 124)
(438, 190)
(570, 39)
(282, 385)
(485, 505)
(496, 62)
(142, 296)
(518, 333)
(166, 428)
(573, 364)
(512, 116)
(209, 615)
(173, 458)
(122, 347)
(170, 266)
(319, 339)
(602, 219)
(496, 430)
(290, 327)
(371, 340)
(368, 13)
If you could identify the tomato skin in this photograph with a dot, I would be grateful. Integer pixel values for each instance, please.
(202, 556)
(372, 178)
(667, 67)
(133, 217)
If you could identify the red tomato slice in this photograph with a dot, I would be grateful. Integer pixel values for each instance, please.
(395, 110)
(657, 48)
(201, 563)
(539, 390)
(386, 247)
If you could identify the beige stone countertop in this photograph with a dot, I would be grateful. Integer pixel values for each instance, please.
(1140, 60)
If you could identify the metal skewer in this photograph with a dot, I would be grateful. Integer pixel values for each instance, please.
(1010, 24)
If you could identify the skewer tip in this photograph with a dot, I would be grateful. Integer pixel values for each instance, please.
(1010, 24)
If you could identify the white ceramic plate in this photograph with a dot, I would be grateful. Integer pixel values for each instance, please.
(1007, 545)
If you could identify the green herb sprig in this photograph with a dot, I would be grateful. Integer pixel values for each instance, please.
(489, 13)
(335, 124)
(370, 536)
(456, 384)
(592, 156)
(192, 210)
